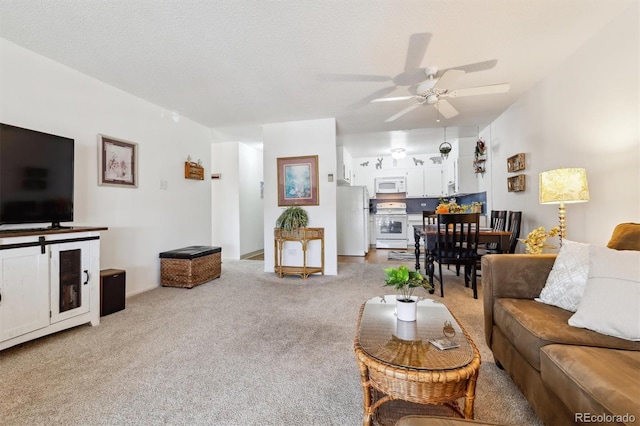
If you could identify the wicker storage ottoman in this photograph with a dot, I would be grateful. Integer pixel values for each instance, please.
(190, 266)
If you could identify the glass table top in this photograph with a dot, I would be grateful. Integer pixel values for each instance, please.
(407, 344)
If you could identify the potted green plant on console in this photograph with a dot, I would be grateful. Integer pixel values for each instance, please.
(405, 282)
(292, 218)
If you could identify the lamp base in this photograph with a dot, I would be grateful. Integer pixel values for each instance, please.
(563, 224)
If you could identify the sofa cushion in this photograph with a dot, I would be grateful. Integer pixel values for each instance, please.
(530, 325)
(612, 295)
(626, 236)
(568, 277)
(594, 381)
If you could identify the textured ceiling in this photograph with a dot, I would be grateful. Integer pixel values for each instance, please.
(235, 65)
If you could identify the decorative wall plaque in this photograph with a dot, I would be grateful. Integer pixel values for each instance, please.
(516, 163)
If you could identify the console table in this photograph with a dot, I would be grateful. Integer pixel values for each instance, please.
(49, 281)
(302, 236)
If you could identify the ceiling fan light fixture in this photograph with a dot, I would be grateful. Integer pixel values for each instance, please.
(432, 99)
(398, 153)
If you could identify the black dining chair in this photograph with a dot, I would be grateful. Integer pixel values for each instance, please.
(498, 223)
(457, 243)
(428, 217)
(515, 220)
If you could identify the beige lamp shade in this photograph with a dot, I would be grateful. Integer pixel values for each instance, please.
(564, 186)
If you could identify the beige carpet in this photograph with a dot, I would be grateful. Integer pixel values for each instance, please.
(245, 349)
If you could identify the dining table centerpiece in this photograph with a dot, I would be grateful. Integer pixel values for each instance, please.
(449, 205)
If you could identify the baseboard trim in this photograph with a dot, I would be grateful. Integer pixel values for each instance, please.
(250, 255)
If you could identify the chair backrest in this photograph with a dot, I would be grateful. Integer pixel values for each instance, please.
(498, 220)
(457, 236)
(498, 223)
(515, 219)
(428, 217)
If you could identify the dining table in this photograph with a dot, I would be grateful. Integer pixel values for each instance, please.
(428, 233)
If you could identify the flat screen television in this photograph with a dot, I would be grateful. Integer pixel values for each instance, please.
(36, 177)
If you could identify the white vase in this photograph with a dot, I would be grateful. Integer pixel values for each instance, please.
(407, 330)
(406, 311)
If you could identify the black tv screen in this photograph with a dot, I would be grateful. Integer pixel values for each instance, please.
(36, 177)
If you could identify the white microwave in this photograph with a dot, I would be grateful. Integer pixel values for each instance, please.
(391, 185)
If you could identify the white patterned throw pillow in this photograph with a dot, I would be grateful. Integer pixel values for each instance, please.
(568, 278)
(612, 295)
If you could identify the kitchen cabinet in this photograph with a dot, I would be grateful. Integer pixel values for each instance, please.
(365, 176)
(415, 182)
(425, 182)
(434, 185)
(49, 281)
(344, 167)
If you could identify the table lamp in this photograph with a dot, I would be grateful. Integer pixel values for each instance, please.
(560, 186)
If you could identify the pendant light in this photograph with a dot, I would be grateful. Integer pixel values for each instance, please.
(445, 147)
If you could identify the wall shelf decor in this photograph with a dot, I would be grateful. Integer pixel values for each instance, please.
(193, 171)
(516, 163)
(516, 183)
(480, 157)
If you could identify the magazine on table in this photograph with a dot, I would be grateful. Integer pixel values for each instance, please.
(444, 343)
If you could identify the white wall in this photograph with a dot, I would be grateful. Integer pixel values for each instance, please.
(225, 199)
(43, 95)
(584, 114)
(251, 205)
(236, 206)
(299, 138)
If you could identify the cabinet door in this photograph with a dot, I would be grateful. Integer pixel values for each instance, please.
(415, 183)
(433, 181)
(70, 275)
(364, 176)
(24, 291)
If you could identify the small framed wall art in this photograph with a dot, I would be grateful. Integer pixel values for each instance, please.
(516, 163)
(117, 162)
(516, 183)
(298, 181)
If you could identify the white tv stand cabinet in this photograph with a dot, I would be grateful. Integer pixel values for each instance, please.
(49, 281)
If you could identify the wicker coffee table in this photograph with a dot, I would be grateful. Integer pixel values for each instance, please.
(397, 362)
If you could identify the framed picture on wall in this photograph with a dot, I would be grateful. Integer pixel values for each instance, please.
(117, 162)
(298, 181)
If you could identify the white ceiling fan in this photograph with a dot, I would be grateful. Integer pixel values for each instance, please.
(434, 90)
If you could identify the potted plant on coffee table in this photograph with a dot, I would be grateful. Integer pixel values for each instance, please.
(405, 282)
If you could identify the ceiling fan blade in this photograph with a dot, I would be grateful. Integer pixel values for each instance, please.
(353, 77)
(367, 99)
(403, 112)
(482, 90)
(478, 66)
(446, 109)
(448, 79)
(415, 52)
(396, 98)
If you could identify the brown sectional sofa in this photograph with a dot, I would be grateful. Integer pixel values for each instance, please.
(569, 375)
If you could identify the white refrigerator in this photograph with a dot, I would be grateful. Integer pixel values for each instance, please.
(352, 204)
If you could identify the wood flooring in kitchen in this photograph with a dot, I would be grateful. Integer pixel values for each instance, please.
(374, 256)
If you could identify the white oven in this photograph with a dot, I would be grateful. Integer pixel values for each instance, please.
(391, 224)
